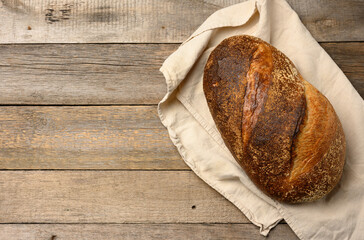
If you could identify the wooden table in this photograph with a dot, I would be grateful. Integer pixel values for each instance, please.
(83, 154)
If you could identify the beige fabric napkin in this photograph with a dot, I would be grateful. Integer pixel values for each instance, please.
(184, 112)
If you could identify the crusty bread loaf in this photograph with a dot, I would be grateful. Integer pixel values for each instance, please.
(281, 130)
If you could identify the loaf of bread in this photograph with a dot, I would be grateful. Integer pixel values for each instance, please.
(281, 130)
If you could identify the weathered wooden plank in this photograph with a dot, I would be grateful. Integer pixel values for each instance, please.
(88, 21)
(65, 21)
(94, 137)
(111, 197)
(350, 58)
(82, 73)
(141, 231)
(111, 73)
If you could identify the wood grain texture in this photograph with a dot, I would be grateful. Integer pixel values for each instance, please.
(141, 231)
(111, 197)
(94, 137)
(81, 74)
(350, 58)
(103, 21)
(65, 21)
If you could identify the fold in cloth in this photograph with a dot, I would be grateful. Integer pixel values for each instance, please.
(185, 113)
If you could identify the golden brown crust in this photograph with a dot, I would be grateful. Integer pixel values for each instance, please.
(280, 129)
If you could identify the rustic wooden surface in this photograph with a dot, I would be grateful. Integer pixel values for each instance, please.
(83, 154)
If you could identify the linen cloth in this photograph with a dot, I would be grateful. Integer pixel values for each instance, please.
(185, 113)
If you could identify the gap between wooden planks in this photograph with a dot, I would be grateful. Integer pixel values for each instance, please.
(99, 74)
(65, 21)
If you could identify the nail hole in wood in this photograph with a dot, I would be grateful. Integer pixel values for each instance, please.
(193, 207)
